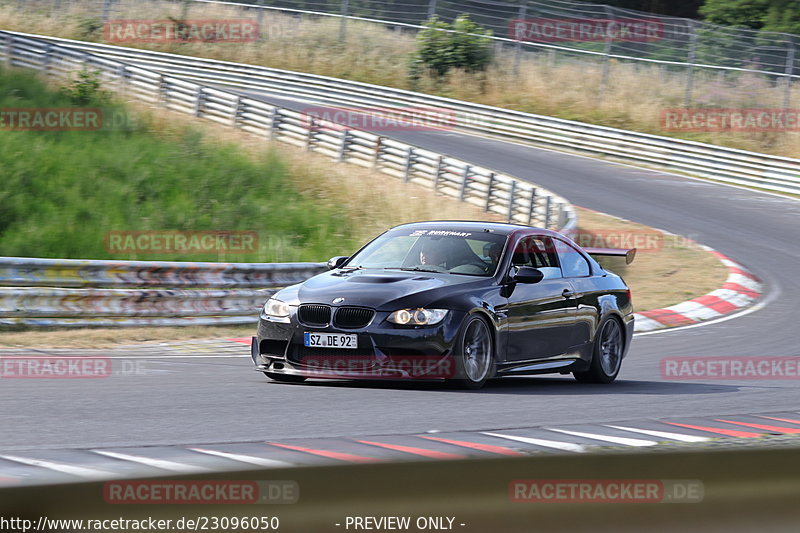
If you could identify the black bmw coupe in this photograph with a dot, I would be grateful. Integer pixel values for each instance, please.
(460, 301)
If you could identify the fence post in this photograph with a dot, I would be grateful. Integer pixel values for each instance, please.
(343, 20)
(161, 93)
(274, 122)
(523, 9)
(343, 146)
(437, 171)
(432, 9)
(607, 55)
(532, 205)
(465, 182)
(237, 111)
(547, 207)
(312, 127)
(787, 95)
(408, 163)
(198, 102)
(48, 53)
(489, 191)
(378, 151)
(260, 20)
(106, 9)
(512, 196)
(122, 76)
(687, 97)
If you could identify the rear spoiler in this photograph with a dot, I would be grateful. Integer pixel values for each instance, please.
(614, 252)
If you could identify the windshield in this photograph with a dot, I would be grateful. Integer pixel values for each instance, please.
(431, 250)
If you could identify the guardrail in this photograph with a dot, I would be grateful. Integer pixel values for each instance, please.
(110, 299)
(728, 165)
(63, 292)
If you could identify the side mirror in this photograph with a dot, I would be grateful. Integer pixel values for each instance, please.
(336, 262)
(527, 274)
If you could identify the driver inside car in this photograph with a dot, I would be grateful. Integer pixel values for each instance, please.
(454, 255)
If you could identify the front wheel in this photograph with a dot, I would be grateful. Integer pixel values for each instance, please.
(285, 378)
(475, 362)
(606, 356)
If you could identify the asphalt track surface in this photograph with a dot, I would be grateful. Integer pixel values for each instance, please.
(184, 400)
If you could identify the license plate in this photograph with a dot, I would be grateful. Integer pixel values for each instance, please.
(330, 340)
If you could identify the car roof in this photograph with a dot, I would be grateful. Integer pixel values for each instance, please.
(500, 228)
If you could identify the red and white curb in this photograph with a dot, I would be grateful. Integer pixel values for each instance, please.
(741, 289)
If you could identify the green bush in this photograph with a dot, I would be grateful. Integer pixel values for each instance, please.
(460, 45)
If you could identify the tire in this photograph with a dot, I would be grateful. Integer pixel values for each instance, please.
(285, 378)
(607, 353)
(475, 354)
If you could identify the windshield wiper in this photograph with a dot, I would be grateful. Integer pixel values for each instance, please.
(416, 269)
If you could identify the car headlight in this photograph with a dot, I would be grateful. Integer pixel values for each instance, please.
(276, 308)
(417, 317)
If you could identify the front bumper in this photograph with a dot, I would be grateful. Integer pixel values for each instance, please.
(384, 350)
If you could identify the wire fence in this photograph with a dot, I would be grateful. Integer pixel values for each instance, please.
(561, 29)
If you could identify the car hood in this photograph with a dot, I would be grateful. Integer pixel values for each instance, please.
(378, 288)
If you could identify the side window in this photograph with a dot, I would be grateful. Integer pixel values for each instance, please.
(537, 252)
(573, 264)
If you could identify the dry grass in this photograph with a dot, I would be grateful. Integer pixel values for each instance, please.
(109, 337)
(633, 100)
(673, 271)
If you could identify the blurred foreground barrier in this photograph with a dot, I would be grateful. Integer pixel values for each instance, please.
(745, 489)
(64, 292)
(666, 153)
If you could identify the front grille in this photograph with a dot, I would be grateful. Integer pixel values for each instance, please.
(352, 317)
(314, 315)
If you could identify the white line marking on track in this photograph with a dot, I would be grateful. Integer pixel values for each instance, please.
(172, 466)
(568, 446)
(79, 471)
(260, 461)
(616, 440)
(662, 434)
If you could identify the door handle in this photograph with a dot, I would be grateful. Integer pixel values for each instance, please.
(568, 293)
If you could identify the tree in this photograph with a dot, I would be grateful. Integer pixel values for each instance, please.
(442, 47)
(742, 13)
(765, 15)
